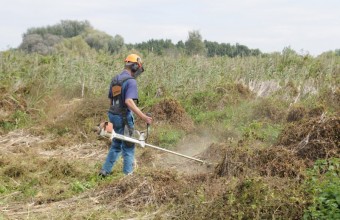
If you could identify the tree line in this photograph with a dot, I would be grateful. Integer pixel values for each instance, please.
(44, 39)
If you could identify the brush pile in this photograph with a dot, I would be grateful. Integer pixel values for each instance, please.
(313, 138)
(171, 111)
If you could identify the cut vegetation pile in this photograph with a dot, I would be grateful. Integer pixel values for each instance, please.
(300, 144)
(153, 188)
(171, 111)
(271, 161)
(313, 138)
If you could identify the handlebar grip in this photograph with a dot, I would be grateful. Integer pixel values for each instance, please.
(149, 115)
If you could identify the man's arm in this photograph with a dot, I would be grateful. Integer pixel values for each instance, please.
(133, 107)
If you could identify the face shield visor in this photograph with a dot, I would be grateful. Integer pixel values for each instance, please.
(139, 71)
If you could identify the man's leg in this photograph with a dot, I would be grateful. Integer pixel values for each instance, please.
(128, 150)
(116, 146)
(129, 157)
(112, 156)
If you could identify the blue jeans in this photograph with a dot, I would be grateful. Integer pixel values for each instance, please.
(118, 146)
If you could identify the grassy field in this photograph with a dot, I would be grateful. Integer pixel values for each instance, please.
(270, 124)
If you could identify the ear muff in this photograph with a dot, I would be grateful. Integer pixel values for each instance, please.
(134, 67)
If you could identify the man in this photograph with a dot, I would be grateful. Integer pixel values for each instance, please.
(123, 93)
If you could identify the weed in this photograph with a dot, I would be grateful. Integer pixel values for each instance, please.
(323, 185)
(79, 187)
(169, 137)
(7, 126)
(3, 189)
(262, 131)
(15, 171)
(266, 108)
(296, 113)
(210, 117)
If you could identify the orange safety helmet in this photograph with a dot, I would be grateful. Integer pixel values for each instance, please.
(134, 58)
(135, 64)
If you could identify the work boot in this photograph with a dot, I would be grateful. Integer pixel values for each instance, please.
(103, 174)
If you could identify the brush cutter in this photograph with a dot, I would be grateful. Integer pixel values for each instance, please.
(105, 129)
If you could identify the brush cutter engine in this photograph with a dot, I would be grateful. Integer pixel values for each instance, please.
(106, 129)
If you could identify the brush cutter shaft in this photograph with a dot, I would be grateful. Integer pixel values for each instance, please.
(172, 152)
(114, 135)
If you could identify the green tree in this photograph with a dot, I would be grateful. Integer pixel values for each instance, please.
(180, 45)
(43, 39)
(73, 28)
(212, 48)
(337, 52)
(99, 40)
(194, 45)
(75, 45)
(255, 52)
(116, 44)
(155, 46)
(216, 49)
(225, 50)
(35, 43)
(66, 28)
(242, 50)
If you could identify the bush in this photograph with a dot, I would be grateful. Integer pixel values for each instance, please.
(99, 40)
(66, 28)
(35, 43)
(323, 183)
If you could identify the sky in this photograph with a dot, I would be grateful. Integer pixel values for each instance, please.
(306, 26)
